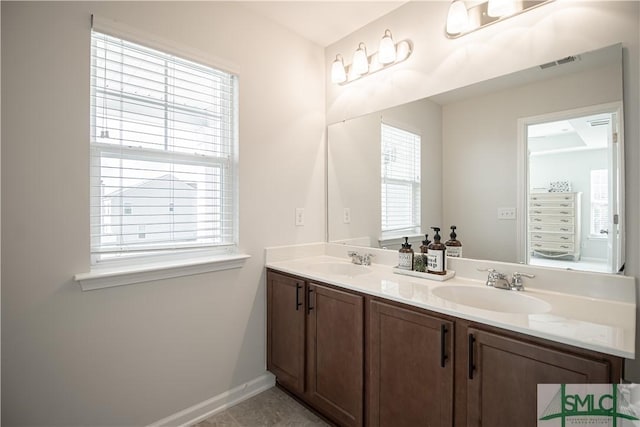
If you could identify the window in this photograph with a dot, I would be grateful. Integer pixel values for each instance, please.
(163, 134)
(599, 202)
(400, 180)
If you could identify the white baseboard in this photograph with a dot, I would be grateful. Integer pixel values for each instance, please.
(219, 403)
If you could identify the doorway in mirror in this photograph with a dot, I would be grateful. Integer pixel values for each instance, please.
(573, 185)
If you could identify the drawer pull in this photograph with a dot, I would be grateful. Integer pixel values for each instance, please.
(564, 212)
(564, 220)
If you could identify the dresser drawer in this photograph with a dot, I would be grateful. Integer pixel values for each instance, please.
(541, 227)
(551, 237)
(550, 246)
(551, 204)
(551, 197)
(552, 211)
(551, 219)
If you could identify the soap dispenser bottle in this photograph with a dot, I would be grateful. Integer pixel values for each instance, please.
(454, 247)
(436, 260)
(420, 260)
(405, 256)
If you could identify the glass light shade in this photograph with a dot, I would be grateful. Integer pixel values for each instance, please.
(498, 8)
(458, 17)
(360, 61)
(338, 74)
(387, 49)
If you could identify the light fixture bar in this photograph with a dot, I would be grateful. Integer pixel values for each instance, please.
(404, 48)
(478, 15)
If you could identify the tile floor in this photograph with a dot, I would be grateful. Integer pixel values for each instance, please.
(272, 407)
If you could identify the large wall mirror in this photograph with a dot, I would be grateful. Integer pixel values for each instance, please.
(528, 166)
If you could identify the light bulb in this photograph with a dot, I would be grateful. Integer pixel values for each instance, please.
(387, 49)
(458, 17)
(360, 61)
(499, 8)
(338, 75)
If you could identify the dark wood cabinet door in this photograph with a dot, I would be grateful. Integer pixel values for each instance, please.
(335, 354)
(504, 374)
(410, 368)
(286, 330)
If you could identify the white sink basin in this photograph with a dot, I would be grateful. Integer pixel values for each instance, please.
(339, 269)
(487, 298)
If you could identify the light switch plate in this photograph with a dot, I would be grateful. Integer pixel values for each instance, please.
(507, 213)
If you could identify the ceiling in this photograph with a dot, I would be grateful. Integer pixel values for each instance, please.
(323, 22)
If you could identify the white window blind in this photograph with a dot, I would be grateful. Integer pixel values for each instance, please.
(400, 180)
(163, 141)
(599, 201)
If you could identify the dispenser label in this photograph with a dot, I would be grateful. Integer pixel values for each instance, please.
(454, 251)
(435, 260)
(405, 260)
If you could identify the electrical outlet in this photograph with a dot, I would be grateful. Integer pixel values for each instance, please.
(299, 216)
(507, 213)
(346, 216)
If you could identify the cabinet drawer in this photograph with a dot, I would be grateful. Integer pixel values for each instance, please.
(552, 211)
(552, 197)
(551, 237)
(553, 228)
(551, 219)
(551, 204)
(552, 246)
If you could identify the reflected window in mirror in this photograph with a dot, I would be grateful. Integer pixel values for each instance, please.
(599, 203)
(400, 181)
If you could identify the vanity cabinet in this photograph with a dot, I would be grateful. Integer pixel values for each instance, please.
(410, 367)
(504, 369)
(315, 345)
(422, 368)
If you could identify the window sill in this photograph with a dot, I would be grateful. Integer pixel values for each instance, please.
(107, 277)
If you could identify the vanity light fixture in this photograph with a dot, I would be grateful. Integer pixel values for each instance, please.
(387, 49)
(389, 53)
(481, 14)
(338, 74)
(360, 60)
(458, 18)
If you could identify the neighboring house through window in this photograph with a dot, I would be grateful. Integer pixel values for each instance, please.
(163, 149)
(400, 167)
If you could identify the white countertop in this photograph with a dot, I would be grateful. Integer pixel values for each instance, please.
(599, 324)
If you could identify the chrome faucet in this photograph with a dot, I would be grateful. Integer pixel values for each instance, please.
(356, 258)
(499, 280)
(516, 280)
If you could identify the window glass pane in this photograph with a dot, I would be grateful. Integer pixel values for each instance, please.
(162, 157)
(599, 201)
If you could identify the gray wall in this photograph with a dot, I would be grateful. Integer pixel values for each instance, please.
(132, 355)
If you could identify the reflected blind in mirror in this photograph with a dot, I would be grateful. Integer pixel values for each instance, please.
(163, 132)
(400, 178)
